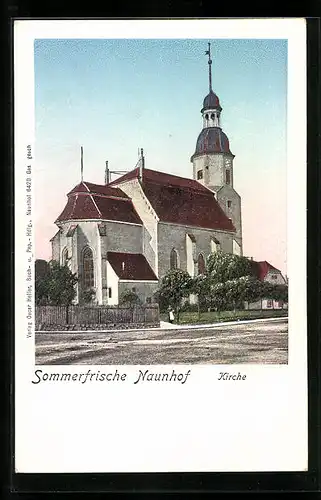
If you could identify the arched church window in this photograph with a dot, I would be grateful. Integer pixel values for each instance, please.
(174, 264)
(64, 257)
(228, 176)
(215, 245)
(88, 268)
(201, 264)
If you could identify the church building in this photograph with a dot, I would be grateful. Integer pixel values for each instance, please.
(126, 234)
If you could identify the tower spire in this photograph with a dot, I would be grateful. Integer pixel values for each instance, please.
(208, 53)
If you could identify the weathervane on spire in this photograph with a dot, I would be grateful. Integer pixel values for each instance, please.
(208, 53)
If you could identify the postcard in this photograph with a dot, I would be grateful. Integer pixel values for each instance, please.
(160, 255)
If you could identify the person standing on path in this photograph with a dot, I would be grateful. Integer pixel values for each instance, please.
(171, 315)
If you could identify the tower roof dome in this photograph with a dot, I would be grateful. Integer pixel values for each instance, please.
(212, 140)
(211, 101)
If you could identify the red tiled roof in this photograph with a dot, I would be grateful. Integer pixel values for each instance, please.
(133, 174)
(180, 200)
(262, 268)
(89, 187)
(161, 178)
(92, 201)
(131, 266)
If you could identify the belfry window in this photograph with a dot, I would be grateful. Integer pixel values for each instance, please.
(174, 264)
(206, 116)
(228, 176)
(212, 116)
(200, 174)
(201, 264)
(88, 268)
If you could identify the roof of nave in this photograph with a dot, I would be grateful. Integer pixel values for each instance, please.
(88, 201)
(262, 268)
(179, 200)
(131, 266)
(89, 187)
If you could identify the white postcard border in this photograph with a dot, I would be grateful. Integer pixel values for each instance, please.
(203, 425)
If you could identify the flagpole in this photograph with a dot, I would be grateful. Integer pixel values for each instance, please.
(81, 163)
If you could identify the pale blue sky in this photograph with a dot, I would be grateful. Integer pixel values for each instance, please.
(113, 96)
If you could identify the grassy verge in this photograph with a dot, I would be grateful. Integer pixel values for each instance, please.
(215, 317)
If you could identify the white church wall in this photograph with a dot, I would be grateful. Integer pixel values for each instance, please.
(174, 236)
(119, 238)
(87, 236)
(190, 250)
(62, 243)
(112, 295)
(122, 237)
(99, 295)
(55, 247)
(214, 174)
(147, 214)
(266, 304)
(74, 260)
(275, 277)
(236, 248)
(230, 202)
(144, 289)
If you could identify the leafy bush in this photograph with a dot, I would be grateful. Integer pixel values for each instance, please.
(174, 287)
(56, 286)
(88, 296)
(129, 298)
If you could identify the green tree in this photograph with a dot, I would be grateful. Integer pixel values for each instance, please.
(201, 287)
(129, 298)
(57, 286)
(175, 285)
(281, 293)
(88, 295)
(243, 289)
(217, 297)
(230, 280)
(41, 268)
(274, 292)
(226, 266)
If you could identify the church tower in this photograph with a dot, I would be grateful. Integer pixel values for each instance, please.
(213, 160)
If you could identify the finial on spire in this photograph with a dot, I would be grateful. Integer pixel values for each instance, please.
(208, 53)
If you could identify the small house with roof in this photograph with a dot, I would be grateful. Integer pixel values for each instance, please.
(264, 271)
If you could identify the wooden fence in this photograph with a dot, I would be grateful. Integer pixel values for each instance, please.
(49, 317)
